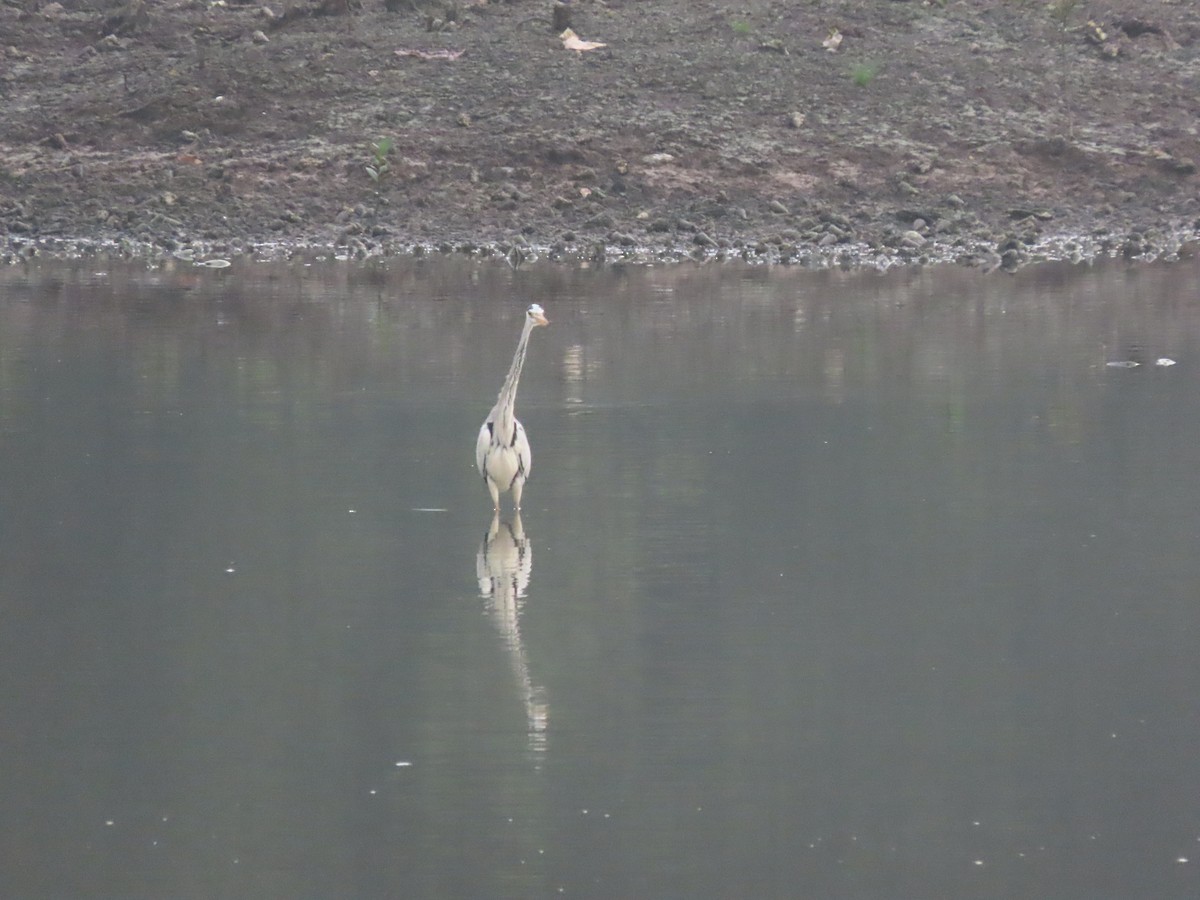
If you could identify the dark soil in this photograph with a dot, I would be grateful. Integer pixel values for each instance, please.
(991, 131)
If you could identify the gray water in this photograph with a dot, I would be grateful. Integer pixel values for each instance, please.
(826, 585)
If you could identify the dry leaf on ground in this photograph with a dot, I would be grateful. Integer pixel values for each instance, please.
(572, 41)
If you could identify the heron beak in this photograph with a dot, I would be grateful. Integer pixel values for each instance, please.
(541, 320)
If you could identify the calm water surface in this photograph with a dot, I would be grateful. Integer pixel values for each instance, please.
(827, 585)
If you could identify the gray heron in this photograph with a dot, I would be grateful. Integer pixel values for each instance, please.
(502, 449)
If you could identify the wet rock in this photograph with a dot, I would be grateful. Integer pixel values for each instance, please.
(1011, 260)
(777, 207)
(1043, 215)
(1133, 247)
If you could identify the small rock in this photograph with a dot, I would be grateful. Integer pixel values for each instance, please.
(657, 159)
(912, 239)
(796, 120)
(1179, 165)
(913, 216)
(259, 37)
(777, 207)
(110, 43)
(703, 240)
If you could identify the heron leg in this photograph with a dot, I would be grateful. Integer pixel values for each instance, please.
(517, 487)
(495, 492)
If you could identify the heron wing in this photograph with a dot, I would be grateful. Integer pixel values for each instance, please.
(524, 454)
(481, 447)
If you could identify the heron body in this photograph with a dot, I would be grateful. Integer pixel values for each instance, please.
(502, 453)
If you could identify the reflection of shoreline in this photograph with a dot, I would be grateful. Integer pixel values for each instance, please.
(503, 566)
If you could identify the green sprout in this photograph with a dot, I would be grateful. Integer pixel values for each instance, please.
(863, 74)
(378, 166)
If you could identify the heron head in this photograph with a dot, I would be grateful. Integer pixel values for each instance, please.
(537, 315)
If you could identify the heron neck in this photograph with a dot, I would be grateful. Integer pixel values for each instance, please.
(508, 394)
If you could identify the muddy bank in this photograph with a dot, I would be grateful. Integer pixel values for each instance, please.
(992, 133)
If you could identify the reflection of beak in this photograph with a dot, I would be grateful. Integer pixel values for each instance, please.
(541, 320)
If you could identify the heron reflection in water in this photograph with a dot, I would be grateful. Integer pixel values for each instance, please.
(503, 566)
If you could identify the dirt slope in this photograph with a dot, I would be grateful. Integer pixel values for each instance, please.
(855, 130)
